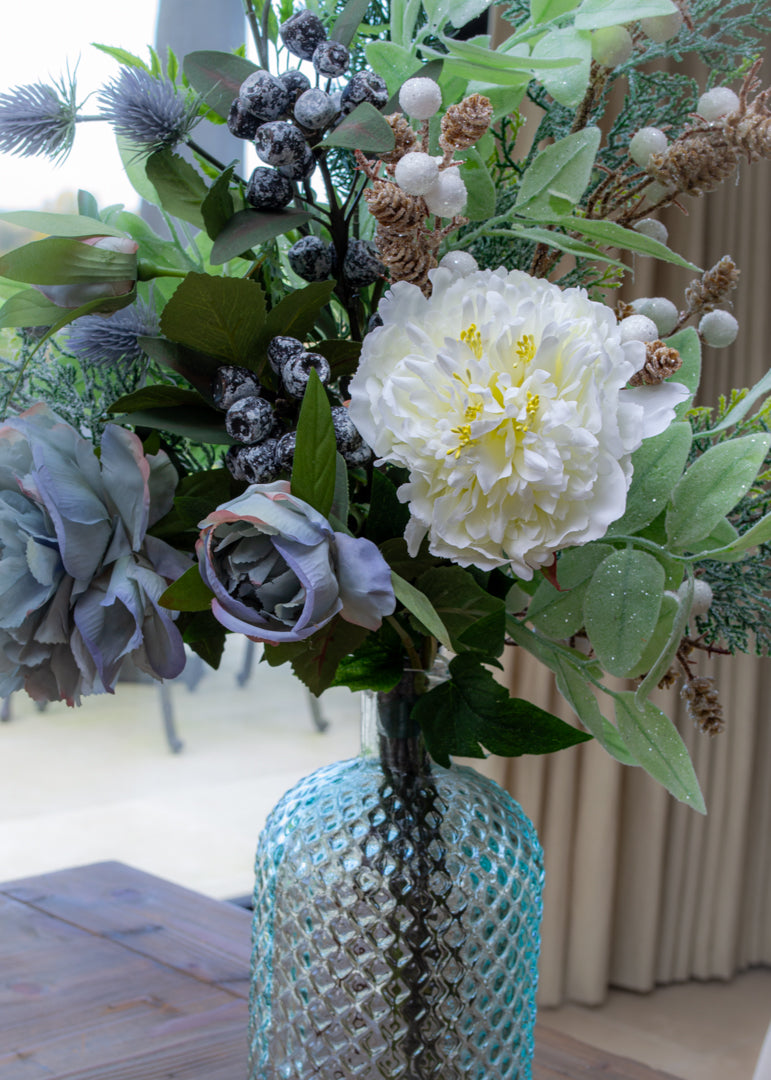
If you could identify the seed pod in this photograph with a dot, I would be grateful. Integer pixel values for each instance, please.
(310, 259)
(296, 372)
(301, 168)
(302, 34)
(268, 189)
(391, 206)
(405, 139)
(360, 455)
(249, 420)
(255, 464)
(695, 163)
(281, 349)
(232, 382)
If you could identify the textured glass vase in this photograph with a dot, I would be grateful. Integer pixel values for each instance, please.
(396, 920)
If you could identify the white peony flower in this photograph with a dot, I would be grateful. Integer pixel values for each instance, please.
(505, 397)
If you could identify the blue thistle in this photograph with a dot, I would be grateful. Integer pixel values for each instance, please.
(97, 340)
(148, 111)
(38, 119)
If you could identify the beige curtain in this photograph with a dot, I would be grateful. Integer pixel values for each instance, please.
(641, 890)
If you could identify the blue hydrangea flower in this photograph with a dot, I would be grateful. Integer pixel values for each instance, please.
(113, 339)
(38, 119)
(147, 111)
(80, 579)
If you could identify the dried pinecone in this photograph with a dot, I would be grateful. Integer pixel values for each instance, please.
(407, 257)
(703, 705)
(661, 361)
(391, 206)
(748, 129)
(698, 161)
(405, 139)
(465, 123)
(711, 289)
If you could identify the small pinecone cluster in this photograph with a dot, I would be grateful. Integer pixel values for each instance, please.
(703, 705)
(418, 186)
(263, 422)
(661, 361)
(712, 288)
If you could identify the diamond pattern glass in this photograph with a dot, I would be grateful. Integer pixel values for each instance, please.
(396, 928)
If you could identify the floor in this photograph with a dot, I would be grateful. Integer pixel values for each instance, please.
(100, 782)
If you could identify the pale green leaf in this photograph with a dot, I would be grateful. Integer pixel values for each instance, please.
(621, 608)
(72, 225)
(658, 465)
(610, 233)
(580, 697)
(566, 85)
(565, 166)
(418, 604)
(594, 14)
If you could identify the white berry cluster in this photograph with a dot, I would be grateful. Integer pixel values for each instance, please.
(435, 179)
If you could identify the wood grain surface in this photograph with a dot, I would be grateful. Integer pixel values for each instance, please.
(108, 973)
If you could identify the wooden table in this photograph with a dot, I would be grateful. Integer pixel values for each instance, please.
(108, 973)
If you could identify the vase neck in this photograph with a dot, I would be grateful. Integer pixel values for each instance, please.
(389, 733)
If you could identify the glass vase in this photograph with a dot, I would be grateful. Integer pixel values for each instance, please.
(397, 913)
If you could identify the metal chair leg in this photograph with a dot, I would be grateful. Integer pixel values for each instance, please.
(167, 711)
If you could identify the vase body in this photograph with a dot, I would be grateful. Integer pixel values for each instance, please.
(396, 923)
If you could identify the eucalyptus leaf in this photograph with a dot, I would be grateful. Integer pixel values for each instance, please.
(250, 228)
(658, 464)
(480, 204)
(217, 76)
(363, 129)
(348, 21)
(180, 188)
(72, 225)
(610, 233)
(565, 165)
(759, 533)
(222, 317)
(621, 608)
(712, 486)
(559, 613)
(567, 85)
(654, 741)
(578, 693)
(594, 14)
(391, 62)
(314, 465)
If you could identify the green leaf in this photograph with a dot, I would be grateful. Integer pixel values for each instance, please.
(387, 517)
(188, 593)
(63, 261)
(217, 76)
(566, 85)
(712, 486)
(578, 693)
(340, 499)
(196, 367)
(250, 228)
(123, 56)
(621, 608)
(199, 423)
(562, 242)
(364, 129)
(205, 636)
(296, 314)
(479, 185)
(472, 711)
(72, 225)
(314, 465)
(134, 168)
(594, 14)
(759, 533)
(659, 638)
(688, 345)
(474, 619)
(29, 308)
(315, 660)
(342, 354)
(542, 11)
(560, 614)
(348, 21)
(392, 62)
(421, 607)
(180, 188)
(565, 165)
(610, 233)
(377, 664)
(220, 316)
(742, 407)
(217, 207)
(152, 397)
(658, 465)
(653, 740)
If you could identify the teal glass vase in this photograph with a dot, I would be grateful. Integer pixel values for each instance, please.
(397, 912)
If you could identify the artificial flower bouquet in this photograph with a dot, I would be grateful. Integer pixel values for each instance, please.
(376, 398)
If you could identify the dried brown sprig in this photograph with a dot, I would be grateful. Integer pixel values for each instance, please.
(711, 289)
(391, 206)
(703, 704)
(405, 139)
(661, 361)
(697, 162)
(465, 123)
(748, 129)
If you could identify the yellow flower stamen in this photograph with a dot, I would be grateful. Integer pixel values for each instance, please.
(464, 430)
(525, 348)
(473, 339)
(521, 426)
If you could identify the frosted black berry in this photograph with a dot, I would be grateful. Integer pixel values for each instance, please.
(302, 168)
(231, 382)
(255, 464)
(285, 450)
(309, 258)
(360, 455)
(282, 349)
(361, 265)
(331, 58)
(347, 436)
(249, 420)
(280, 143)
(364, 86)
(264, 96)
(302, 34)
(296, 82)
(268, 189)
(373, 322)
(241, 122)
(296, 372)
(314, 110)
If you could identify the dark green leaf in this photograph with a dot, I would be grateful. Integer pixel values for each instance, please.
(409, 567)
(313, 468)
(153, 397)
(348, 21)
(188, 593)
(220, 316)
(68, 225)
(315, 660)
(217, 207)
(364, 129)
(340, 501)
(421, 608)
(197, 368)
(295, 315)
(217, 76)
(378, 664)
(474, 619)
(180, 188)
(204, 635)
(387, 517)
(250, 228)
(193, 422)
(63, 261)
(343, 355)
(653, 739)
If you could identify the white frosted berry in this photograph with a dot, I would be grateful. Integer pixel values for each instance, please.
(638, 328)
(702, 596)
(656, 230)
(459, 262)
(416, 172)
(661, 28)
(717, 102)
(718, 329)
(646, 141)
(448, 195)
(420, 98)
(611, 46)
(660, 310)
